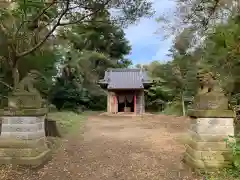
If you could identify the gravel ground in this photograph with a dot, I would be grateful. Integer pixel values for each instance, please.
(118, 149)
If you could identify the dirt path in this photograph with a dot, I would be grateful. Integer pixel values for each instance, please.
(120, 149)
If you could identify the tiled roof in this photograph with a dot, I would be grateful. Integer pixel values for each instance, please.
(125, 79)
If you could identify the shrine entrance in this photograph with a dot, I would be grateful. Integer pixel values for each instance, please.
(125, 103)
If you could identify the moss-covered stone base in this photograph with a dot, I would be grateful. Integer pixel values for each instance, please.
(207, 159)
(24, 112)
(211, 100)
(205, 165)
(211, 113)
(24, 152)
(24, 100)
(22, 138)
(6, 143)
(206, 149)
(33, 161)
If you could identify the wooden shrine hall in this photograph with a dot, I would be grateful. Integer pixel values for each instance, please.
(125, 89)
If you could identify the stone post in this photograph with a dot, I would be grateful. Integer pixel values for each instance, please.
(22, 138)
(211, 122)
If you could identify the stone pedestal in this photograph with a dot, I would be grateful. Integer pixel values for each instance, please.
(25, 100)
(207, 149)
(22, 139)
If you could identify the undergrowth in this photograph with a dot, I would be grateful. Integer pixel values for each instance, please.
(174, 108)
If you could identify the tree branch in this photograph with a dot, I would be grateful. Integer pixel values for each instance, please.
(44, 10)
(57, 24)
(48, 34)
(3, 96)
(205, 22)
(213, 10)
(23, 21)
(79, 20)
(7, 85)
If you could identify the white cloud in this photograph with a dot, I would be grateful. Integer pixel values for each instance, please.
(143, 35)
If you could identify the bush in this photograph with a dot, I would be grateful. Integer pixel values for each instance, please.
(173, 108)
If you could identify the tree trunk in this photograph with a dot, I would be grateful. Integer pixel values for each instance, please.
(183, 106)
(15, 76)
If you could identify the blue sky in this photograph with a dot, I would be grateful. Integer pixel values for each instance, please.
(147, 45)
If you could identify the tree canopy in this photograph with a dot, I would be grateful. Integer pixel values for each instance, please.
(70, 42)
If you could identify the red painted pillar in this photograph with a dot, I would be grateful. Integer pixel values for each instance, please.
(135, 104)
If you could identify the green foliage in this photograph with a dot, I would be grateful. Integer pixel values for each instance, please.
(173, 80)
(158, 95)
(65, 94)
(234, 145)
(173, 108)
(95, 47)
(223, 54)
(83, 46)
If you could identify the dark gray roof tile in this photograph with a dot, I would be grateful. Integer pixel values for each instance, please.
(125, 78)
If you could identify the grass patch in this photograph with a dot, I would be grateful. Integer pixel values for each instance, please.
(223, 174)
(67, 121)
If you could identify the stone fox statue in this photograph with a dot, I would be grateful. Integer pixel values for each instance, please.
(25, 94)
(208, 82)
(210, 95)
(27, 83)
